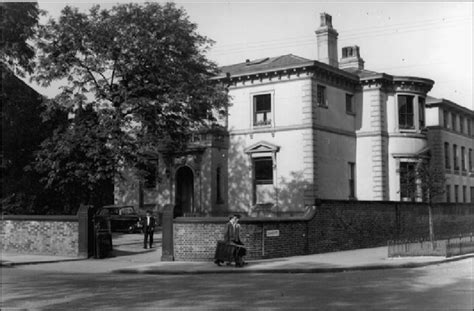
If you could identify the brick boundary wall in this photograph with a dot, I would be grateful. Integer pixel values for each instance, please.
(62, 235)
(329, 226)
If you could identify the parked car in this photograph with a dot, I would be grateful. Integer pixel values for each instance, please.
(122, 218)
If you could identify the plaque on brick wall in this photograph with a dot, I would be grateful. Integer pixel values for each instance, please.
(272, 233)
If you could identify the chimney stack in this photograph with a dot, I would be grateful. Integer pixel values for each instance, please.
(351, 58)
(327, 41)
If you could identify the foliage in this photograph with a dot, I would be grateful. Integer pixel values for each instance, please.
(136, 81)
(431, 180)
(23, 130)
(76, 162)
(18, 24)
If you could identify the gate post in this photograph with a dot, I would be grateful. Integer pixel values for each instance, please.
(84, 223)
(167, 253)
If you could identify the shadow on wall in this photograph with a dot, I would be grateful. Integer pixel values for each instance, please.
(289, 194)
(239, 180)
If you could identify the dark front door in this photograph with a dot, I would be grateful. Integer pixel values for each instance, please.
(184, 191)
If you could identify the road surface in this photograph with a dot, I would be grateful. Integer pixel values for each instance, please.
(447, 286)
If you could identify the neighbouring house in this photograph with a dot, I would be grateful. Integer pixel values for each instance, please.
(450, 139)
(298, 130)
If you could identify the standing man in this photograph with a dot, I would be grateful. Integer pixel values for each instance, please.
(148, 229)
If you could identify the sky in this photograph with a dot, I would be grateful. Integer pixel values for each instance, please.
(425, 39)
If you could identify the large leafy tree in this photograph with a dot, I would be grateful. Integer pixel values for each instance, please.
(140, 70)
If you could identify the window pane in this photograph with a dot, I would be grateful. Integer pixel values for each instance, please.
(262, 109)
(321, 93)
(218, 185)
(263, 103)
(470, 160)
(447, 162)
(349, 103)
(405, 111)
(421, 111)
(455, 157)
(446, 119)
(263, 170)
(351, 180)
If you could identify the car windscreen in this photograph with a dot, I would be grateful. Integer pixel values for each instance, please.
(127, 211)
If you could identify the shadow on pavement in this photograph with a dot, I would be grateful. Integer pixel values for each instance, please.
(120, 253)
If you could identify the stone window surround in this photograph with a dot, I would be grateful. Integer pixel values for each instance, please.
(262, 149)
(271, 92)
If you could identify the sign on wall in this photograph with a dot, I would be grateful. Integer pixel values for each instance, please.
(272, 233)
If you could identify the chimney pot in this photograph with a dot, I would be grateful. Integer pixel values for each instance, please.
(326, 20)
(351, 58)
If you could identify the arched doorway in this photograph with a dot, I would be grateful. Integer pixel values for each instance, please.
(184, 191)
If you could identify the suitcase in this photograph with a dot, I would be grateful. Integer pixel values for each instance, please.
(224, 252)
(229, 252)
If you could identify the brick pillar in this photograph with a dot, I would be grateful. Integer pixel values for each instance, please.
(167, 238)
(85, 224)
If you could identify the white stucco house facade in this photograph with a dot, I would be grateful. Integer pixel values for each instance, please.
(298, 130)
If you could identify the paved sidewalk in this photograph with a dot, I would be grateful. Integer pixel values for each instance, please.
(132, 259)
(14, 259)
(128, 251)
(361, 259)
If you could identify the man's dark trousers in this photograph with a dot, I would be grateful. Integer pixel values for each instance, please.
(148, 230)
(148, 235)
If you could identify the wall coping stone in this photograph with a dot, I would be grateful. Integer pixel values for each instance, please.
(326, 201)
(311, 212)
(71, 218)
(246, 220)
